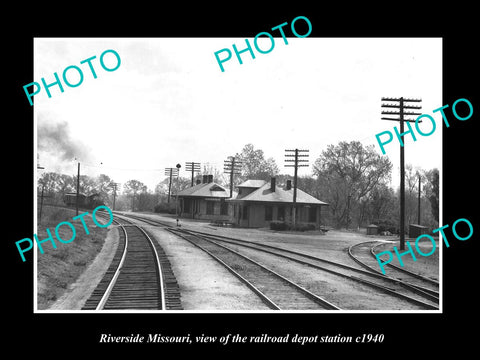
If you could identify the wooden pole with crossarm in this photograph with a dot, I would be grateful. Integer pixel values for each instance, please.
(401, 104)
(232, 166)
(298, 162)
(193, 167)
(170, 172)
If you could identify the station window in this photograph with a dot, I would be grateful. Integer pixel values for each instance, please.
(312, 214)
(281, 213)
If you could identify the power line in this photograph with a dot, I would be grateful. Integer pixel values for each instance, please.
(170, 172)
(232, 166)
(119, 169)
(299, 160)
(193, 167)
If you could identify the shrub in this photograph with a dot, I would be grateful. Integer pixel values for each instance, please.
(278, 225)
(386, 225)
(282, 225)
(165, 208)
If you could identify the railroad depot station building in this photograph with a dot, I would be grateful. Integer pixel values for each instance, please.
(256, 204)
(206, 200)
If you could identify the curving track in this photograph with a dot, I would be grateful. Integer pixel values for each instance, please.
(364, 254)
(278, 292)
(135, 279)
(379, 282)
(422, 297)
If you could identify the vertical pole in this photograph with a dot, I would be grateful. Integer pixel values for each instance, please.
(193, 172)
(114, 195)
(231, 176)
(41, 204)
(419, 190)
(176, 200)
(402, 182)
(294, 209)
(178, 187)
(78, 186)
(169, 185)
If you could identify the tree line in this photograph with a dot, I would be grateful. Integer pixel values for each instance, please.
(352, 178)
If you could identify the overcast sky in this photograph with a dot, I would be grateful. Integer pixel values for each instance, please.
(169, 103)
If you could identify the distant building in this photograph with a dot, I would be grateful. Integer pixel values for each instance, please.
(205, 200)
(259, 202)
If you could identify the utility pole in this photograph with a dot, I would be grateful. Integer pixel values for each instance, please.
(193, 167)
(178, 166)
(419, 191)
(297, 163)
(114, 186)
(401, 104)
(78, 187)
(232, 166)
(169, 172)
(41, 204)
(43, 186)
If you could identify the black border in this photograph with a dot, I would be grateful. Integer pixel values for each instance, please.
(409, 333)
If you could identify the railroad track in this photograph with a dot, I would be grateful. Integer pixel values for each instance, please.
(278, 292)
(422, 297)
(145, 220)
(139, 276)
(425, 279)
(364, 254)
(379, 282)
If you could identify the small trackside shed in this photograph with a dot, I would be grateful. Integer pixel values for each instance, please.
(205, 201)
(259, 202)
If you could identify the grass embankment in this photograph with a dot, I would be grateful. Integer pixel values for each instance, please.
(58, 268)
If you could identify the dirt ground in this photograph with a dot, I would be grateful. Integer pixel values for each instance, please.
(204, 283)
(58, 269)
(78, 292)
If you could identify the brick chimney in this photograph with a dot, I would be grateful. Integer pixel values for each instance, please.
(272, 184)
(289, 185)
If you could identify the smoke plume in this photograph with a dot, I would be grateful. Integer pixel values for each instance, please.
(56, 139)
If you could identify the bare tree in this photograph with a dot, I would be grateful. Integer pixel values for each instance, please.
(347, 173)
(254, 164)
(132, 188)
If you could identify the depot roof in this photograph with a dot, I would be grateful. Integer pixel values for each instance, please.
(265, 194)
(252, 183)
(205, 190)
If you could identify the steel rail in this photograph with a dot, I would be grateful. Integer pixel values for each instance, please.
(418, 276)
(428, 293)
(148, 221)
(372, 271)
(106, 295)
(262, 296)
(307, 293)
(257, 246)
(158, 269)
